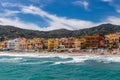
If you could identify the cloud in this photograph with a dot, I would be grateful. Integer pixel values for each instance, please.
(107, 0)
(56, 22)
(8, 4)
(117, 6)
(8, 13)
(18, 23)
(114, 3)
(85, 4)
(118, 10)
(42, 1)
(113, 20)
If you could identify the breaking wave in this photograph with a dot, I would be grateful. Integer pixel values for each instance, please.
(98, 58)
(10, 60)
(63, 58)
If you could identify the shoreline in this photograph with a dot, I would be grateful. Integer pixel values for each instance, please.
(56, 53)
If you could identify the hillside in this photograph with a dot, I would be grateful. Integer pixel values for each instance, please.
(13, 32)
(103, 28)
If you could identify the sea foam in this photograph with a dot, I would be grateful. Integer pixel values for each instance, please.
(74, 58)
(98, 58)
(10, 60)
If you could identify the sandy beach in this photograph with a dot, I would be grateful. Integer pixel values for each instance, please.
(95, 52)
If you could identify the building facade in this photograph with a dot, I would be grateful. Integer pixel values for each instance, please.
(12, 44)
(95, 41)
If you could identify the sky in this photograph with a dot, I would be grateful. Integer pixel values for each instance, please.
(45, 15)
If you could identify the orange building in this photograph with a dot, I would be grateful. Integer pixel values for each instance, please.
(71, 42)
(95, 41)
(67, 42)
(3, 44)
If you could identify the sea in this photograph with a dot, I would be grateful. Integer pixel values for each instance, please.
(59, 66)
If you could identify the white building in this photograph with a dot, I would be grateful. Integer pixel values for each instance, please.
(12, 44)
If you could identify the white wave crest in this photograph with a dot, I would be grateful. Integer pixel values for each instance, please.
(75, 58)
(99, 58)
(10, 59)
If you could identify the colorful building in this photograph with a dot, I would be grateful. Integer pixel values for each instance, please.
(37, 42)
(77, 43)
(95, 41)
(71, 42)
(114, 40)
(56, 43)
(12, 44)
(23, 44)
(67, 42)
(50, 44)
(64, 42)
(3, 44)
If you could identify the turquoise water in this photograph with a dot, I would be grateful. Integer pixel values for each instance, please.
(59, 67)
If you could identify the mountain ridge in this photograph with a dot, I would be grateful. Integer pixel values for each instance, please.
(15, 32)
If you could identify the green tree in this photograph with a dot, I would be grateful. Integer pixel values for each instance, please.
(83, 46)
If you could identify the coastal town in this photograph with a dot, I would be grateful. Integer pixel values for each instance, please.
(103, 43)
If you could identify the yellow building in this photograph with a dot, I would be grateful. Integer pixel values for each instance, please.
(37, 43)
(113, 37)
(22, 45)
(113, 40)
(56, 43)
(50, 44)
(77, 43)
(30, 44)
